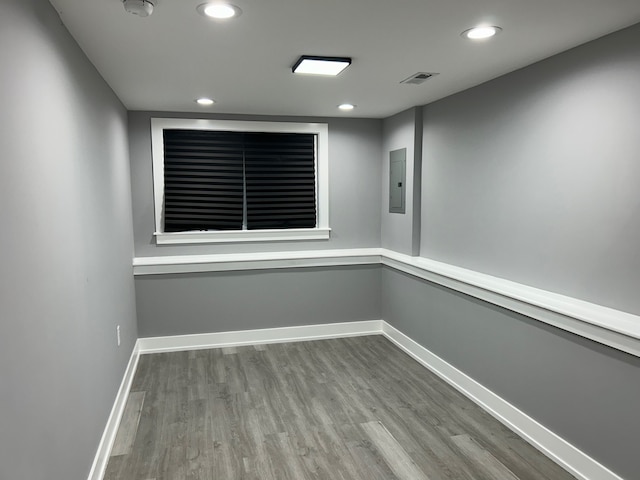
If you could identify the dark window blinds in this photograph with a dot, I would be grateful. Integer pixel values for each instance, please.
(207, 175)
(280, 180)
(203, 180)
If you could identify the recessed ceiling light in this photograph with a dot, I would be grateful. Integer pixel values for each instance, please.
(219, 11)
(205, 102)
(346, 107)
(480, 33)
(320, 65)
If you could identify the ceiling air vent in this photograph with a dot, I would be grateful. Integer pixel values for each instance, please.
(418, 78)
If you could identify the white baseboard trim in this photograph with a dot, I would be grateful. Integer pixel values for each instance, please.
(557, 449)
(109, 435)
(261, 336)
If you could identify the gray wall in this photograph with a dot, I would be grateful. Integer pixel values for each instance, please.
(65, 248)
(530, 177)
(401, 231)
(533, 177)
(230, 301)
(584, 391)
(354, 193)
(214, 302)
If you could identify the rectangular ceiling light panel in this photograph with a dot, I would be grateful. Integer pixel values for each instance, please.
(321, 65)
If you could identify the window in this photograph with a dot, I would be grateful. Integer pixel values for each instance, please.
(233, 181)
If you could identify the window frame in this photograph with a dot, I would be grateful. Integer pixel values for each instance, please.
(320, 232)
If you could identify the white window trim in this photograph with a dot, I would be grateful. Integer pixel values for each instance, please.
(322, 230)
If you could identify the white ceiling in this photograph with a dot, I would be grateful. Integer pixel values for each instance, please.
(165, 61)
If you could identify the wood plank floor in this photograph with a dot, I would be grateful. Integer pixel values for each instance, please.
(352, 409)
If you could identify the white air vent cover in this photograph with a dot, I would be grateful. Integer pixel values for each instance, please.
(418, 78)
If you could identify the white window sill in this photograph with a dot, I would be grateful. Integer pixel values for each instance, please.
(237, 236)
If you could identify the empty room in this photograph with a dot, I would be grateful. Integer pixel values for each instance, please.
(293, 240)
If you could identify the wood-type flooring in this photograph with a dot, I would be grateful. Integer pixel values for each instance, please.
(353, 409)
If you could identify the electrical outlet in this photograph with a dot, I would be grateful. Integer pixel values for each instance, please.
(118, 333)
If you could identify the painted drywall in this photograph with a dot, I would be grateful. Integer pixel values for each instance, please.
(583, 391)
(230, 301)
(533, 177)
(65, 249)
(354, 196)
(400, 231)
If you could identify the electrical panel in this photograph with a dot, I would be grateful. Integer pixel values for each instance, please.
(397, 180)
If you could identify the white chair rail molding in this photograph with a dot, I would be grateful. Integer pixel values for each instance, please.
(608, 326)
